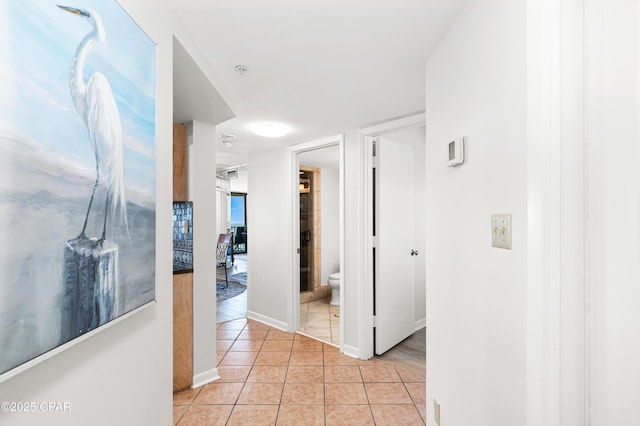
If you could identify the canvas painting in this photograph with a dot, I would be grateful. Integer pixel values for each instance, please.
(77, 173)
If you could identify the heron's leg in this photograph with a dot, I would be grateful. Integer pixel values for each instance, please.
(93, 193)
(104, 225)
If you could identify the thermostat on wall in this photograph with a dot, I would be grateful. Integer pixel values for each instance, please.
(456, 152)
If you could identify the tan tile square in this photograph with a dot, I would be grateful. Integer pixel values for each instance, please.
(306, 358)
(279, 335)
(296, 415)
(254, 415)
(303, 393)
(305, 374)
(277, 345)
(185, 397)
(253, 335)
(227, 335)
(260, 393)
(178, 411)
(239, 358)
(308, 345)
(348, 415)
(418, 392)
(411, 376)
(273, 358)
(267, 374)
(336, 358)
(342, 373)
(206, 415)
(330, 348)
(223, 345)
(233, 374)
(422, 409)
(246, 346)
(256, 326)
(218, 393)
(387, 393)
(323, 334)
(345, 393)
(396, 415)
(232, 325)
(379, 373)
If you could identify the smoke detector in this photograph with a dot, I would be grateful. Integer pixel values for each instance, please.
(227, 139)
(241, 69)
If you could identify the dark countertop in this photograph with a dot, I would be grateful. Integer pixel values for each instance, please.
(182, 267)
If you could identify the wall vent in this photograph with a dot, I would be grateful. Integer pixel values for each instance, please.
(232, 174)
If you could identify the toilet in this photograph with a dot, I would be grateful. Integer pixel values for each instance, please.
(334, 283)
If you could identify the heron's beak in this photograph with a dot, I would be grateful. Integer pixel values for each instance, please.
(75, 11)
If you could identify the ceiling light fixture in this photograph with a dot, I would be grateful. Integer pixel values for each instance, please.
(270, 130)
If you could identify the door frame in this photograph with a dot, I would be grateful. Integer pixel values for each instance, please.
(293, 295)
(365, 303)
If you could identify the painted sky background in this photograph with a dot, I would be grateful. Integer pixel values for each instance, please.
(39, 41)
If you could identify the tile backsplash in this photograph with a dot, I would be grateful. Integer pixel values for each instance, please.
(183, 232)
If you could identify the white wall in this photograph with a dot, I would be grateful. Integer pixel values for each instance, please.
(613, 114)
(330, 225)
(476, 294)
(123, 374)
(240, 184)
(415, 138)
(269, 214)
(205, 236)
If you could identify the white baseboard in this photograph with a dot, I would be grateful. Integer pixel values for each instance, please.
(280, 325)
(351, 351)
(420, 324)
(205, 378)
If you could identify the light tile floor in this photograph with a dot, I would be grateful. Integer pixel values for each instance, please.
(269, 377)
(321, 320)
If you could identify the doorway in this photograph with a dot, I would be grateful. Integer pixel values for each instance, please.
(318, 230)
(394, 285)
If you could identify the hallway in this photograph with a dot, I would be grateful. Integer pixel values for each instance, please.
(271, 377)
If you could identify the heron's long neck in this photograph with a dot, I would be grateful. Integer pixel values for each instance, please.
(76, 74)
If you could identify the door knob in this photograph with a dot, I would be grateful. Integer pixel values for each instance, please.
(414, 252)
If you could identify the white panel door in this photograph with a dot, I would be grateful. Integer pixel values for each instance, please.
(394, 257)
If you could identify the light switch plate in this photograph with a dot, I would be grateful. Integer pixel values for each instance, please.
(436, 411)
(501, 231)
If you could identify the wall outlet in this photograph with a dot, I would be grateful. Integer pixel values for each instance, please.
(501, 231)
(436, 411)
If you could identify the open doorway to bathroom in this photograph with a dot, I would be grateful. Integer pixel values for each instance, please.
(319, 233)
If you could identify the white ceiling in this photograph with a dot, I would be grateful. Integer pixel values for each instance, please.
(320, 67)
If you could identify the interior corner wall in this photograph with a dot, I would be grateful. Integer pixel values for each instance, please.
(476, 294)
(121, 375)
(269, 215)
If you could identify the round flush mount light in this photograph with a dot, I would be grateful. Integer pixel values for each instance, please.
(269, 130)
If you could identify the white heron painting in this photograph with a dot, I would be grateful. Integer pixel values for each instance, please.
(77, 165)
